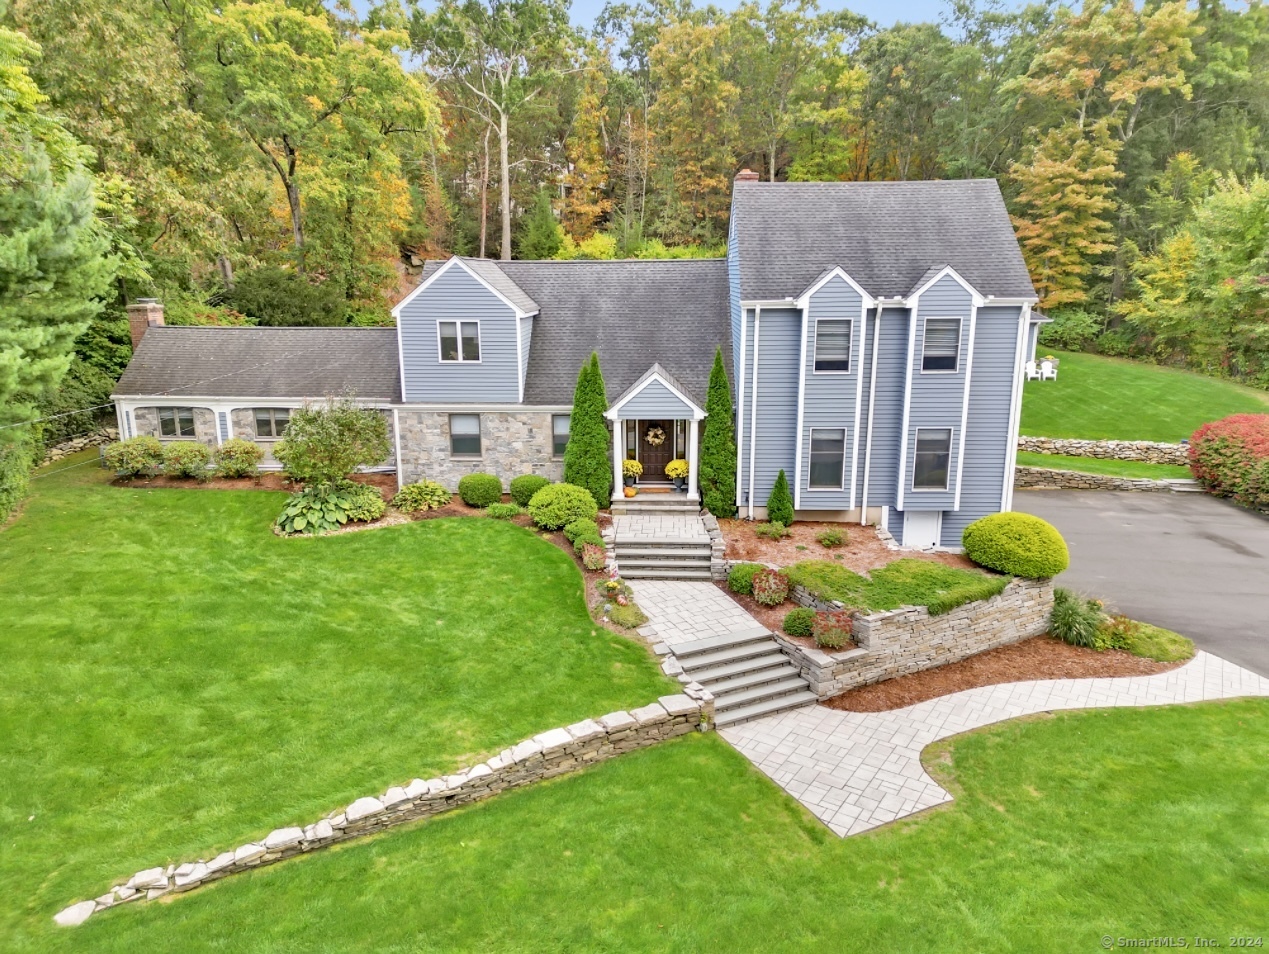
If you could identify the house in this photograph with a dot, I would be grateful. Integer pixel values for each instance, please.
(874, 334)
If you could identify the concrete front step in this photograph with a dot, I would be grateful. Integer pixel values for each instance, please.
(793, 700)
(765, 690)
(750, 679)
(749, 666)
(659, 563)
(668, 550)
(664, 573)
(752, 635)
(654, 504)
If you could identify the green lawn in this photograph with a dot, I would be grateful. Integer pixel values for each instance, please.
(1096, 465)
(1110, 398)
(1134, 823)
(177, 680)
(907, 582)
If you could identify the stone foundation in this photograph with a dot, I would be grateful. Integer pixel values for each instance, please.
(1044, 478)
(1151, 452)
(908, 640)
(550, 753)
(512, 443)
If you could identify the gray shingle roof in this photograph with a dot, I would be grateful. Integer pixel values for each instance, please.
(886, 235)
(497, 278)
(264, 362)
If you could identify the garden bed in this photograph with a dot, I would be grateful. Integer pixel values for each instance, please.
(1041, 657)
(386, 483)
(863, 551)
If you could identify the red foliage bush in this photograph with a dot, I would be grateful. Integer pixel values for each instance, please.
(770, 587)
(833, 630)
(593, 557)
(1230, 457)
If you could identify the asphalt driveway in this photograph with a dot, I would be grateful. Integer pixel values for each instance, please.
(1187, 562)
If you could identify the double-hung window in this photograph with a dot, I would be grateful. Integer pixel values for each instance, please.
(832, 345)
(176, 422)
(933, 458)
(271, 421)
(464, 435)
(941, 347)
(460, 340)
(559, 434)
(828, 458)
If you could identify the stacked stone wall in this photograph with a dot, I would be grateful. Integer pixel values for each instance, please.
(1151, 452)
(1046, 478)
(511, 443)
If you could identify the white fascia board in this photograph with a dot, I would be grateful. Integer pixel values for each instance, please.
(993, 301)
(698, 413)
(239, 401)
(455, 260)
(490, 408)
(837, 272)
(769, 303)
(945, 272)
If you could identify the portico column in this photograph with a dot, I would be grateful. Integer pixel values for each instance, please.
(693, 443)
(618, 442)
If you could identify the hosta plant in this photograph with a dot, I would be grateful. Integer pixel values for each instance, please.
(320, 507)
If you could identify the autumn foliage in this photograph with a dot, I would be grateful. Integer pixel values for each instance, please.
(1230, 457)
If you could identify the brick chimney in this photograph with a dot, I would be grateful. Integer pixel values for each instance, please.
(747, 175)
(142, 314)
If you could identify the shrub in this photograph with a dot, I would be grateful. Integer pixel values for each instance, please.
(1075, 620)
(15, 470)
(740, 578)
(480, 490)
(1117, 632)
(237, 458)
(1230, 458)
(525, 486)
(780, 501)
(558, 505)
(363, 503)
(770, 587)
(594, 557)
(677, 469)
(586, 462)
(800, 622)
(833, 630)
(425, 495)
(580, 527)
(1016, 543)
(135, 457)
(772, 531)
(832, 538)
(277, 296)
(504, 511)
(324, 444)
(717, 460)
(321, 507)
(592, 539)
(186, 459)
(1071, 329)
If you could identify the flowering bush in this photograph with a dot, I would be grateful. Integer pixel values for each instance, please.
(593, 557)
(677, 468)
(770, 587)
(833, 630)
(1230, 457)
(631, 468)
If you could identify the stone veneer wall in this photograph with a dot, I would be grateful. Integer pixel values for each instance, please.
(1151, 452)
(512, 443)
(1044, 478)
(909, 640)
(147, 422)
(243, 423)
(544, 756)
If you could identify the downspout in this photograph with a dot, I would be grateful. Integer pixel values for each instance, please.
(753, 406)
(872, 402)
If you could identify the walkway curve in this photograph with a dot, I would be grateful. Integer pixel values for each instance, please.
(860, 770)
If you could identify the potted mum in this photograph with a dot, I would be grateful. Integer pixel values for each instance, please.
(630, 469)
(677, 469)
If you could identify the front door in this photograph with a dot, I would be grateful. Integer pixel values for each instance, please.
(656, 448)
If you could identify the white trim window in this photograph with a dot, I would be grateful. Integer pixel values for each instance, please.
(464, 435)
(832, 345)
(458, 341)
(271, 421)
(559, 434)
(933, 459)
(176, 421)
(941, 345)
(828, 459)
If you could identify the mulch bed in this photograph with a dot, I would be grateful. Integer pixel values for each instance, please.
(1041, 657)
(863, 551)
(269, 480)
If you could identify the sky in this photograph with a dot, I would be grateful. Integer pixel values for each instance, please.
(883, 12)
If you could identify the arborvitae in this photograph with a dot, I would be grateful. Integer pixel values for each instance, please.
(717, 465)
(586, 460)
(780, 503)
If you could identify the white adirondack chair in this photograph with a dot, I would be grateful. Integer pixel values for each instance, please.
(1031, 371)
(1047, 371)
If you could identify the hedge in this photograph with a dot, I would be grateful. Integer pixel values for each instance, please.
(1230, 458)
(1017, 543)
(480, 490)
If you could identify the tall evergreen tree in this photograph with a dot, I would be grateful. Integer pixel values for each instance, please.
(540, 234)
(586, 461)
(717, 466)
(780, 501)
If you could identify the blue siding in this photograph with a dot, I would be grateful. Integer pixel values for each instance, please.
(526, 335)
(892, 356)
(654, 402)
(457, 296)
(937, 397)
(779, 350)
(829, 398)
(987, 435)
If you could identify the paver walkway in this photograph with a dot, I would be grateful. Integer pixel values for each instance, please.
(683, 611)
(659, 528)
(859, 770)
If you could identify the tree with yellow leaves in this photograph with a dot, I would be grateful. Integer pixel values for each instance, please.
(585, 200)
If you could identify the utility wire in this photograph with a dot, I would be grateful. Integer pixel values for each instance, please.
(53, 417)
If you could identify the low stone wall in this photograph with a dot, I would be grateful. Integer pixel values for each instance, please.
(909, 640)
(1151, 452)
(718, 566)
(546, 755)
(1045, 478)
(106, 435)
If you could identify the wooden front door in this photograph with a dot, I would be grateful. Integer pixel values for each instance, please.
(655, 457)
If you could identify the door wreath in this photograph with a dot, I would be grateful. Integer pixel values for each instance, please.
(655, 436)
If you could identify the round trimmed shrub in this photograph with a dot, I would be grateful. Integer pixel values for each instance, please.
(770, 587)
(237, 458)
(425, 495)
(480, 490)
(558, 505)
(525, 486)
(186, 459)
(740, 578)
(1017, 543)
(799, 622)
(135, 457)
(581, 527)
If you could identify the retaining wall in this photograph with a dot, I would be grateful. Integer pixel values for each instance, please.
(1151, 452)
(908, 640)
(1045, 478)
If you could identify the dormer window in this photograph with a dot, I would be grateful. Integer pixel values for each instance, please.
(460, 340)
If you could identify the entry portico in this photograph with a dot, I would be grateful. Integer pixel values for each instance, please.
(656, 421)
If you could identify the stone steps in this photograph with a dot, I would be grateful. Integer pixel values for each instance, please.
(747, 673)
(655, 504)
(666, 573)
